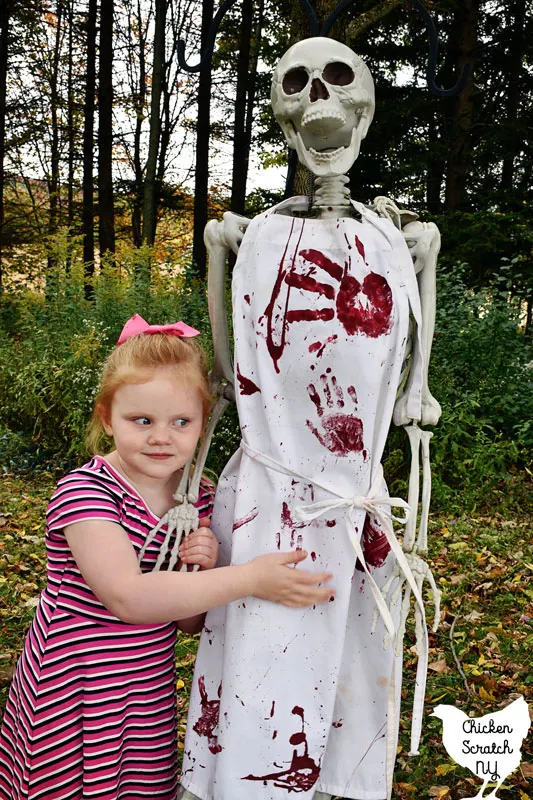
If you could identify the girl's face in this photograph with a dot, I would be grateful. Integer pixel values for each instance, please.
(155, 425)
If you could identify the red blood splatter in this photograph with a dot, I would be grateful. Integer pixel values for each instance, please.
(318, 347)
(274, 734)
(278, 540)
(370, 316)
(313, 556)
(286, 518)
(308, 315)
(364, 309)
(246, 386)
(331, 523)
(208, 720)
(276, 304)
(337, 724)
(320, 260)
(349, 246)
(297, 738)
(248, 518)
(303, 772)
(309, 284)
(375, 546)
(247, 298)
(343, 433)
(360, 248)
(273, 708)
(353, 394)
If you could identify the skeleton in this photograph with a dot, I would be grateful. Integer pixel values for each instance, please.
(323, 98)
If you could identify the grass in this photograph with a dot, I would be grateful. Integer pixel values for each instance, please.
(483, 564)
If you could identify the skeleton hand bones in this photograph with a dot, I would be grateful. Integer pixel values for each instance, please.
(421, 572)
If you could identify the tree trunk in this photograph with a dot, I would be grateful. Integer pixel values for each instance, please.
(167, 125)
(435, 173)
(250, 102)
(88, 144)
(139, 100)
(70, 118)
(4, 52)
(464, 36)
(514, 92)
(53, 180)
(241, 145)
(105, 131)
(201, 183)
(150, 201)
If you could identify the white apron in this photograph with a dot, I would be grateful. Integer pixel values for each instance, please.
(288, 700)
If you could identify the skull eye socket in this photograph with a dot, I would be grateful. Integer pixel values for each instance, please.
(295, 80)
(338, 74)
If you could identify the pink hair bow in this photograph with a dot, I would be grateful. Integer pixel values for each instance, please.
(137, 325)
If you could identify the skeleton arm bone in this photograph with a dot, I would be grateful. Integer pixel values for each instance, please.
(219, 238)
(423, 241)
(180, 520)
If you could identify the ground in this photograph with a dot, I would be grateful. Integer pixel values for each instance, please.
(483, 565)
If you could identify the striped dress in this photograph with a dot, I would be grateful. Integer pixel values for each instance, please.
(92, 709)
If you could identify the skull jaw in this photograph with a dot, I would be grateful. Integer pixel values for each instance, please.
(329, 157)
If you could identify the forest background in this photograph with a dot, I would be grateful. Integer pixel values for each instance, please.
(113, 158)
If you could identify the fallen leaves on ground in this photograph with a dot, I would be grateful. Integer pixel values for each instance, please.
(483, 565)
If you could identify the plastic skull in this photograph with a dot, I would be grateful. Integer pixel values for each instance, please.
(323, 98)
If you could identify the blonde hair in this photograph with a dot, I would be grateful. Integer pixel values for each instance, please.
(135, 361)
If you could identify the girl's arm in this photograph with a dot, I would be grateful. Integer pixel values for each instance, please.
(108, 563)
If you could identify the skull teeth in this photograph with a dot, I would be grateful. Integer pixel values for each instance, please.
(321, 114)
(323, 155)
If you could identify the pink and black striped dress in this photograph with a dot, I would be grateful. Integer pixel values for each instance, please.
(92, 709)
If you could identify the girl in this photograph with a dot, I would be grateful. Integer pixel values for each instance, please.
(91, 711)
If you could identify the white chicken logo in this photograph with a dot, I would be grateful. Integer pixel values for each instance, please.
(489, 746)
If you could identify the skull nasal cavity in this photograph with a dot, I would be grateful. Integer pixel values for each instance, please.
(318, 91)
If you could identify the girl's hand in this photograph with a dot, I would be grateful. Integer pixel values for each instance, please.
(200, 547)
(272, 578)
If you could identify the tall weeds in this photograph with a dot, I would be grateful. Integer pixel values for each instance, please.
(53, 342)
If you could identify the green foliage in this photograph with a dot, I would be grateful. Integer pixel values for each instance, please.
(498, 246)
(481, 353)
(480, 372)
(52, 346)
